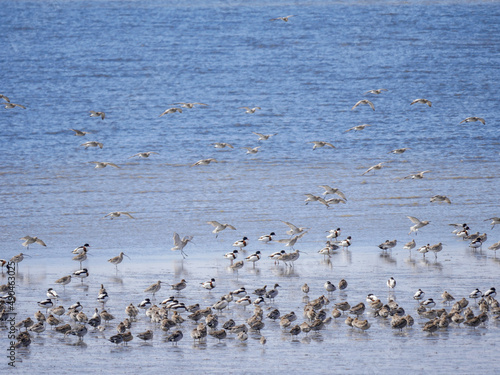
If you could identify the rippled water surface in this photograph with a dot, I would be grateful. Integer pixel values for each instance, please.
(133, 60)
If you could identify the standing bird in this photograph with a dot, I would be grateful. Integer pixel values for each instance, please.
(180, 244)
(419, 294)
(418, 224)
(410, 245)
(391, 283)
(231, 256)
(64, 280)
(241, 243)
(208, 284)
(82, 274)
(254, 258)
(267, 238)
(364, 101)
(154, 288)
(329, 287)
(118, 259)
(179, 286)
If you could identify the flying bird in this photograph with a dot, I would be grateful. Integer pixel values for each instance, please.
(474, 119)
(144, 154)
(358, 127)
(440, 198)
(374, 168)
(251, 150)
(4, 98)
(221, 145)
(376, 92)
(364, 101)
(28, 240)
(103, 164)
(319, 144)
(416, 176)
(114, 214)
(418, 224)
(399, 150)
(9, 105)
(190, 105)
(92, 144)
(204, 162)
(102, 115)
(79, 133)
(423, 101)
(264, 137)
(250, 110)
(180, 244)
(171, 110)
(330, 190)
(219, 227)
(281, 18)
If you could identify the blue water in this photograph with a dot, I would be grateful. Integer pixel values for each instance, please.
(133, 60)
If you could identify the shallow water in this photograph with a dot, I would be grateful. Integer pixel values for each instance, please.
(133, 60)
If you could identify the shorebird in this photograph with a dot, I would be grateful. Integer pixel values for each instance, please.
(204, 162)
(4, 98)
(436, 248)
(171, 110)
(374, 168)
(81, 257)
(494, 221)
(102, 115)
(82, 274)
(250, 110)
(254, 258)
(345, 243)
(410, 245)
(495, 247)
(419, 294)
(176, 336)
(241, 243)
(281, 18)
(146, 304)
(219, 227)
(251, 150)
(364, 101)
(387, 245)
(329, 287)
(190, 105)
(333, 234)
(92, 144)
(148, 335)
(103, 164)
(428, 303)
(209, 284)
(399, 150)
(154, 288)
(440, 198)
(180, 244)
(357, 128)
(52, 294)
(391, 283)
(424, 249)
(264, 137)
(28, 240)
(475, 294)
(267, 237)
(423, 101)
(330, 190)
(118, 259)
(221, 145)
(17, 259)
(447, 297)
(64, 280)
(146, 154)
(474, 119)
(319, 144)
(293, 229)
(418, 224)
(115, 214)
(231, 256)
(376, 92)
(79, 133)
(179, 286)
(46, 304)
(416, 176)
(13, 105)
